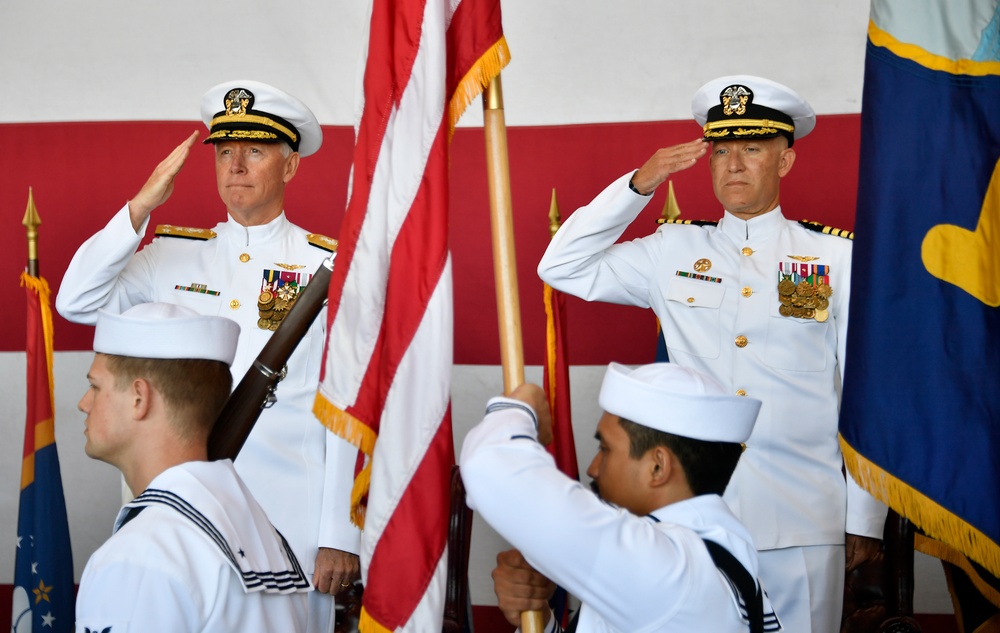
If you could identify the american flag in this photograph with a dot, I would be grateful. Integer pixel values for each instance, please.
(387, 372)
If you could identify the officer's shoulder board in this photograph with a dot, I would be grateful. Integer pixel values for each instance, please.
(322, 242)
(691, 222)
(819, 227)
(169, 230)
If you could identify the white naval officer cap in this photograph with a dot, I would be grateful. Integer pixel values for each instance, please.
(247, 110)
(743, 106)
(677, 400)
(166, 331)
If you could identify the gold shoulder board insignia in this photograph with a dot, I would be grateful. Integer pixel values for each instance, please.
(662, 220)
(169, 230)
(328, 244)
(819, 227)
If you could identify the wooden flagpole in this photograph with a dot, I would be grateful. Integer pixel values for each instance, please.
(502, 222)
(504, 262)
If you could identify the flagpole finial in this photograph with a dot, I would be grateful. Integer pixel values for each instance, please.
(670, 209)
(493, 95)
(555, 220)
(31, 222)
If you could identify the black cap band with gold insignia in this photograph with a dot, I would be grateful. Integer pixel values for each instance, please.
(745, 107)
(738, 117)
(239, 121)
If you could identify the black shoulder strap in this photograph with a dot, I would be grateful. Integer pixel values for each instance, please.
(745, 585)
(737, 574)
(130, 514)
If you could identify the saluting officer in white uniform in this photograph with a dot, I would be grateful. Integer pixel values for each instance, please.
(658, 549)
(760, 303)
(193, 551)
(249, 268)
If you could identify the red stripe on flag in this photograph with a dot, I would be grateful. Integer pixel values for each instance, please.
(427, 489)
(418, 258)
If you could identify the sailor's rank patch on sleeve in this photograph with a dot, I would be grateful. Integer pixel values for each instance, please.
(819, 227)
(323, 242)
(169, 230)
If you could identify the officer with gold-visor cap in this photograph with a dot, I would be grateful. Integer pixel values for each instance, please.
(250, 268)
(252, 111)
(760, 303)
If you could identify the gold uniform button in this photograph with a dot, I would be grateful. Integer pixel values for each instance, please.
(235, 304)
(741, 341)
(741, 392)
(244, 257)
(747, 251)
(747, 291)
(690, 299)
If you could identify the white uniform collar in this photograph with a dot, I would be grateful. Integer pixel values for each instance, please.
(710, 518)
(215, 500)
(758, 228)
(254, 235)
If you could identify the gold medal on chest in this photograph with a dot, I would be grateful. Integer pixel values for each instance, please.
(804, 289)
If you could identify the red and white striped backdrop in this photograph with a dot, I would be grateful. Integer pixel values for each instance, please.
(93, 95)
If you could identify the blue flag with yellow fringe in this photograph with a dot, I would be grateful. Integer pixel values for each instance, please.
(920, 416)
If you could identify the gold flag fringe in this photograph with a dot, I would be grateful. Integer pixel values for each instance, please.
(360, 435)
(476, 80)
(939, 550)
(368, 624)
(41, 288)
(935, 520)
(550, 343)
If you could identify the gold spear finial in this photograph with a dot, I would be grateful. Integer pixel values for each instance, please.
(31, 222)
(670, 209)
(555, 220)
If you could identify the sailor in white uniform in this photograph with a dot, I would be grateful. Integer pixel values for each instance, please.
(193, 551)
(657, 550)
(760, 303)
(249, 268)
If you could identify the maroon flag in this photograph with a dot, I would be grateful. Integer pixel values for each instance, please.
(556, 383)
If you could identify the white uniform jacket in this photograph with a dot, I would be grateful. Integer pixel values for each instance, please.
(299, 472)
(200, 555)
(635, 574)
(715, 291)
